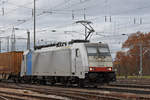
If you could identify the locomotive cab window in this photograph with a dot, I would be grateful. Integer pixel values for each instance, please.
(104, 51)
(92, 51)
(77, 53)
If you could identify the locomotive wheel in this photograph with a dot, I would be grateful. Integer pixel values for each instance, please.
(52, 83)
(68, 84)
(81, 83)
(43, 82)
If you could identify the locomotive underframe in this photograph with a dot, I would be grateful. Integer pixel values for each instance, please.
(91, 78)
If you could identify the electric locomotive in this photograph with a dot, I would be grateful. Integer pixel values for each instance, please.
(80, 62)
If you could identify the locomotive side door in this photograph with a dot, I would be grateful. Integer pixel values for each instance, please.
(73, 67)
(77, 66)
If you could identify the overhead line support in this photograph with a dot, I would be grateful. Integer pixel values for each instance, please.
(34, 24)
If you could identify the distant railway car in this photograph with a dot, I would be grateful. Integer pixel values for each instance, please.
(10, 65)
(79, 63)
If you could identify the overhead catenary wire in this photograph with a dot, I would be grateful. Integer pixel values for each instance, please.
(25, 7)
(31, 19)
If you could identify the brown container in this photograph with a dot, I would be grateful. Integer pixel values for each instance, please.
(10, 62)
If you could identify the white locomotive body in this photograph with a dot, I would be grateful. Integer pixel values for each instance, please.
(81, 63)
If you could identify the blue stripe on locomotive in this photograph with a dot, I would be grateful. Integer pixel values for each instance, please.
(29, 63)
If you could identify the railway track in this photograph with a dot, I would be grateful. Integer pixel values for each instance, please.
(134, 81)
(131, 85)
(68, 93)
(101, 93)
(3, 98)
(16, 94)
(134, 90)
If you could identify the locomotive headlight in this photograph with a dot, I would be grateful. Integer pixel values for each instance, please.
(91, 69)
(109, 68)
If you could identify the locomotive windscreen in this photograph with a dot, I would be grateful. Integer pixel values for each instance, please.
(98, 51)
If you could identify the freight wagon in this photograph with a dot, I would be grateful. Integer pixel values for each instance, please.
(10, 65)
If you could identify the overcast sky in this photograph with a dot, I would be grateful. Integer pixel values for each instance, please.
(127, 16)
